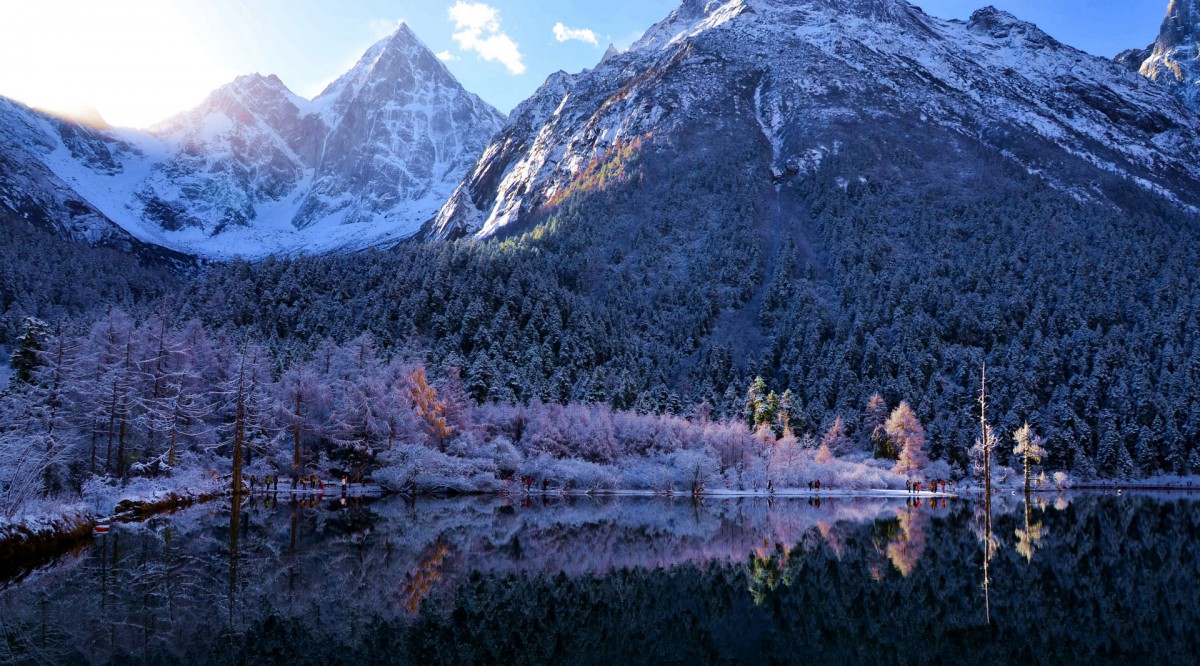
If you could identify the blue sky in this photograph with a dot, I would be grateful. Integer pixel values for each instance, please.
(138, 61)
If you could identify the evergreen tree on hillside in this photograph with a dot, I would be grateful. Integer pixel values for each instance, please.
(30, 345)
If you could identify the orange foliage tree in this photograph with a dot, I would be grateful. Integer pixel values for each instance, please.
(428, 408)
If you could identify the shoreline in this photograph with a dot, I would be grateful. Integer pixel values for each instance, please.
(26, 546)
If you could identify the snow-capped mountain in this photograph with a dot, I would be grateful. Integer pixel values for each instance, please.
(813, 77)
(251, 142)
(402, 133)
(257, 169)
(33, 191)
(1174, 58)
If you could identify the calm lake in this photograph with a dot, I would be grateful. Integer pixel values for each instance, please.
(1085, 579)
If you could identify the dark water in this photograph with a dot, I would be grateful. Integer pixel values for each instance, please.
(1086, 579)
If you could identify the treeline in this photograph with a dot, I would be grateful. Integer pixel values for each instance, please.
(147, 399)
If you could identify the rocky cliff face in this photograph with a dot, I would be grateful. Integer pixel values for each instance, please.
(402, 131)
(813, 77)
(32, 190)
(1174, 58)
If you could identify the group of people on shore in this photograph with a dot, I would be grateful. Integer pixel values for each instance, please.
(268, 483)
(527, 481)
(304, 483)
(927, 486)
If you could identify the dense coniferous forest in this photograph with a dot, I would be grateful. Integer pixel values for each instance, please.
(678, 287)
(44, 275)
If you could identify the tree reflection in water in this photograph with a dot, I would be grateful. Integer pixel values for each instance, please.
(634, 580)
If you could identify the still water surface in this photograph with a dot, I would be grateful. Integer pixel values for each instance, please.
(1067, 579)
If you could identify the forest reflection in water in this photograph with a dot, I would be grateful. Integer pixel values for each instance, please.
(1088, 578)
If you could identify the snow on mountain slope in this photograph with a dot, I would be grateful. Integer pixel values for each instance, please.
(249, 143)
(1174, 58)
(256, 169)
(813, 75)
(34, 191)
(403, 131)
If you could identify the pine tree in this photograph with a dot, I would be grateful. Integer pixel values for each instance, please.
(1145, 457)
(874, 422)
(1193, 461)
(30, 345)
(1109, 453)
(755, 397)
(783, 416)
(767, 411)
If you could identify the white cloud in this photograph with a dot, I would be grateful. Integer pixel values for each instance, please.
(478, 30)
(447, 56)
(562, 33)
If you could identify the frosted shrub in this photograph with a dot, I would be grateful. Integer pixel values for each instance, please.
(417, 468)
(680, 471)
(1005, 476)
(938, 469)
(568, 474)
(506, 456)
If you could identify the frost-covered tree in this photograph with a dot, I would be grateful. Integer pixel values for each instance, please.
(1028, 448)
(907, 433)
(835, 439)
(37, 435)
(30, 345)
(246, 407)
(110, 390)
(359, 424)
(303, 400)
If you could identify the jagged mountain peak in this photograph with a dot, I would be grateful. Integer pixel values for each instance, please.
(996, 21)
(402, 130)
(1004, 26)
(1181, 25)
(398, 58)
(247, 99)
(1174, 58)
(695, 17)
(810, 75)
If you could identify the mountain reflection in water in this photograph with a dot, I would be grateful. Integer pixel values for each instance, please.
(1091, 579)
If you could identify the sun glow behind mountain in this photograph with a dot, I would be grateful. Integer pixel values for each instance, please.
(136, 61)
(139, 61)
